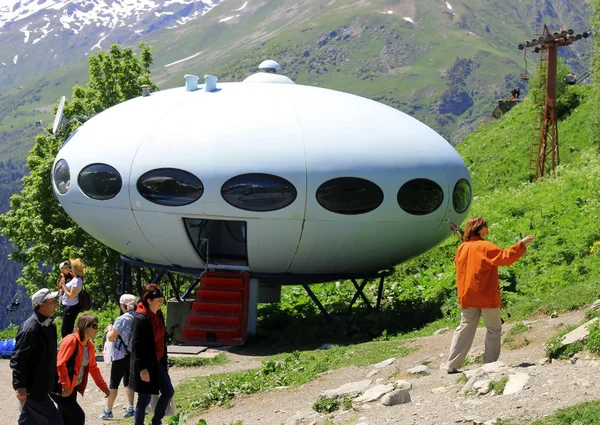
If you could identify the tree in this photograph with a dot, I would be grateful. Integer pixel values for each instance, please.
(42, 233)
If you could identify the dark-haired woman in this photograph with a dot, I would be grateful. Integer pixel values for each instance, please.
(148, 368)
(75, 361)
(477, 262)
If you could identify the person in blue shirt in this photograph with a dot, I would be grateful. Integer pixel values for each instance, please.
(120, 335)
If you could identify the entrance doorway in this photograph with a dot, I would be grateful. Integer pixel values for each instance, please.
(218, 242)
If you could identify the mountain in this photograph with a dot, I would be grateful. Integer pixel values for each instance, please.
(39, 35)
(444, 62)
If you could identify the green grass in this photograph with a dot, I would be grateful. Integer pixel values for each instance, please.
(194, 362)
(289, 370)
(499, 385)
(581, 414)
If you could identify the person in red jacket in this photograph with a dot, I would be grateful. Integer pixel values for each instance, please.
(76, 360)
(477, 262)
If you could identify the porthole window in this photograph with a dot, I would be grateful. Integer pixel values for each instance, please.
(62, 176)
(100, 181)
(420, 196)
(349, 195)
(461, 196)
(258, 192)
(170, 187)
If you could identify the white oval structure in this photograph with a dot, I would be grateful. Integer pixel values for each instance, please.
(278, 179)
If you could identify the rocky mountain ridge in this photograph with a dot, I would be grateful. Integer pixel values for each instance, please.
(66, 31)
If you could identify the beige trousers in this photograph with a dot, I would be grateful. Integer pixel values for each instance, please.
(464, 334)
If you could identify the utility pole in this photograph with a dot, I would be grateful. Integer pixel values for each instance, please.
(544, 149)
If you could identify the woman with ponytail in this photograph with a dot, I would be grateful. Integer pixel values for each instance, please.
(477, 262)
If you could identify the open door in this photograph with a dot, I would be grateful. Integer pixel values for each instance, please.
(219, 242)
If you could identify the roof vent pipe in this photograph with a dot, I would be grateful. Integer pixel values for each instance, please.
(210, 83)
(191, 82)
(145, 90)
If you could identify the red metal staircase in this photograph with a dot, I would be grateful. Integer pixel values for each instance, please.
(219, 314)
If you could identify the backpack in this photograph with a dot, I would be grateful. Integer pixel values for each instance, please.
(85, 301)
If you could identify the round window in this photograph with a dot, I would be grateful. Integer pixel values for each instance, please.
(258, 192)
(349, 195)
(62, 176)
(461, 196)
(170, 187)
(100, 181)
(420, 196)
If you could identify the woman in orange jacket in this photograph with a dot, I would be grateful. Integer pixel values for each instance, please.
(76, 360)
(477, 262)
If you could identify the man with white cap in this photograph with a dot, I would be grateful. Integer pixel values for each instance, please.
(120, 334)
(33, 362)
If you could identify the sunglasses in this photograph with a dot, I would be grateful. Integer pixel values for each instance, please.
(93, 325)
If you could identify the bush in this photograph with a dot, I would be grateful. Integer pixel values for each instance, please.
(593, 343)
(499, 385)
(555, 348)
(326, 405)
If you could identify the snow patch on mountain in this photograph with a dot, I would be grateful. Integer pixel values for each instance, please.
(105, 15)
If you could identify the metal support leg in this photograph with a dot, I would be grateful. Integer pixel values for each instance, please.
(159, 276)
(317, 302)
(174, 287)
(380, 293)
(359, 291)
(191, 288)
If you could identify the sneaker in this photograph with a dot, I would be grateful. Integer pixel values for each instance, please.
(129, 413)
(107, 414)
(451, 370)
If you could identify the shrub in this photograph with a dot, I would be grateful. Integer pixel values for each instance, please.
(499, 385)
(327, 405)
(593, 343)
(555, 348)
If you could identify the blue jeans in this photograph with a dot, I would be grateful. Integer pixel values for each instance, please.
(166, 394)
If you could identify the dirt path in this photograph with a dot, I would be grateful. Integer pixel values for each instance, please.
(550, 387)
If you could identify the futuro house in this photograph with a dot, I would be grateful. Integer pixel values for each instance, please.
(264, 176)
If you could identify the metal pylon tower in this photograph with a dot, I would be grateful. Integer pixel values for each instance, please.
(547, 155)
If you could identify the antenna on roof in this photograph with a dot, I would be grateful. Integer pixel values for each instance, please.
(58, 119)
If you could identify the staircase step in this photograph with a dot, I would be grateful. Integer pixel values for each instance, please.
(207, 321)
(203, 294)
(222, 307)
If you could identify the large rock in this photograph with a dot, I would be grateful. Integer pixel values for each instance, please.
(307, 418)
(375, 393)
(396, 397)
(516, 382)
(418, 370)
(578, 335)
(383, 364)
(351, 389)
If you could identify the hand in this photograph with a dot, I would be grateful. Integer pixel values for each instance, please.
(66, 392)
(106, 392)
(527, 240)
(145, 375)
(22, 396)
(109, 327)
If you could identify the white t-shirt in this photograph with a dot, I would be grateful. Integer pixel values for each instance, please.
(76, 282)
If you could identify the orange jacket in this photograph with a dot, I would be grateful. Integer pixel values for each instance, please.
(477, 262)
(66, 350)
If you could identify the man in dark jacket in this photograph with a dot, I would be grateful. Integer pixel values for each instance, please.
(33, 362)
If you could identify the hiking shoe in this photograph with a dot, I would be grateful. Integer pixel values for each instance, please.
(129, 413)
(451, 370)
(107, 414)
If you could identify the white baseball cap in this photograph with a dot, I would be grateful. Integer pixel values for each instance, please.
(127, 299)
(42, 295)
